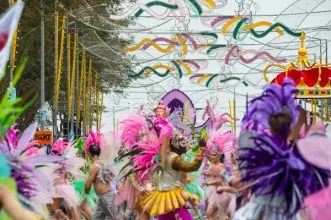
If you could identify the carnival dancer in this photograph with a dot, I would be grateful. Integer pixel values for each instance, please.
(218, 203)
(88, 200)
(168, 201)
(102, 152)
(134, 130)
(105, 205)
(269, 164)
(63, 191)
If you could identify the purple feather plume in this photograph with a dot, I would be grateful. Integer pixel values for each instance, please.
(275, 99)
(279, 169)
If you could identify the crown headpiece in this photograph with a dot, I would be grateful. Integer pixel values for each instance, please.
(313, 80)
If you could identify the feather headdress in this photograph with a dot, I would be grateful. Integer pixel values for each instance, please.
(80, 145)
(276, 168)
(222, 143)
(274, 100)
(59, 146)
(133, 128)
(92, 138)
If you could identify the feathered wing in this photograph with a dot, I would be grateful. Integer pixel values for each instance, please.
(277, 169)
(110, 146)
(144, 159)
(210, 112)
(74, 163)
(25, 140)
(131, 127)
(148, 160)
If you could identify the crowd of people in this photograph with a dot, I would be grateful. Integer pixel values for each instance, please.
(156, 166)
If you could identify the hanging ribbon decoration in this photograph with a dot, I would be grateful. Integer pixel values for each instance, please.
(176, 64)
(141, 8)
(94, 99)
(178, 40)
(71, 77)
(59, 63)
(180, 6)
(101, 107)
(87, 96)
(241, 26)
(210, 79)
(82, 87)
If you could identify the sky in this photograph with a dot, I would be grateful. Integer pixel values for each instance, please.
(311, 16)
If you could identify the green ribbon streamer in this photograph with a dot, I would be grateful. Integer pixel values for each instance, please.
(225, 80)
(214, 48)
(237, 28)
(195, 7)
(156, 3)
(135, 75)
(180, 72)
(207, 33)
(265, 33)
(210, 79)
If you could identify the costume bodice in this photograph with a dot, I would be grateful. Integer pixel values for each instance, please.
(170, 178)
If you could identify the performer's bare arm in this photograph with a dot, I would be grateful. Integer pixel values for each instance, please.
(14, 209)
(179, 164)
(90, 179)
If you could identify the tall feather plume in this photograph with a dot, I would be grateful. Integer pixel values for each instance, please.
(272, 101)
(277, 169)
(92, 138)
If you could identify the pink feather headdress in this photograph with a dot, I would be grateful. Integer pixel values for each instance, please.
(222, 143)
(12, 135)
(93, 138)
(148, 161)
(59, 146)
(133, 128)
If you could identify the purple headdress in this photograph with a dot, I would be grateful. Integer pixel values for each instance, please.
(93, 138)
(276, 168)
(275, 99)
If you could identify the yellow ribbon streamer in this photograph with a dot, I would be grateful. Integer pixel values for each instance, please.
(147, 40)
(69, 76)
(101, 107)
(263, 23)
(210, 4)
(147, 72)
(183, 43)
(186, 67)
(81, 87)
(59, 69)
(230, 23)
(203, 78)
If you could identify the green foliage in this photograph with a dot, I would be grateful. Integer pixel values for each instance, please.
(95, 31)
(12, 109)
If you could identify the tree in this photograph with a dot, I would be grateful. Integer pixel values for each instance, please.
(96, 32)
